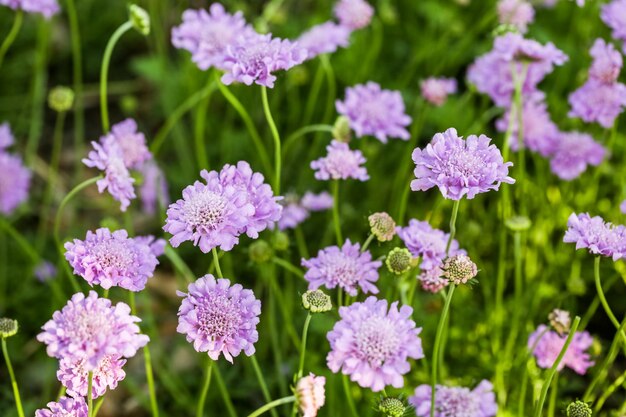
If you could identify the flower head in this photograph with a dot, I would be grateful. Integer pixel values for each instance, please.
(518, 13)
(607, 62)
(436, 90)
(140, 19)
(65, 407)
(8, 327)
(74, 375)
(391, 407)
(432, 280)
(6, 136)
(428, 243)
(293, 214)
(547, 345)
(598, 102)
(456, 401)
(324, 38)
(310, 394)
(61, 99)
(345, 267)
(399, 260)
(341, 163)
(219, 318)
(374, 111)
(372, 342)
(596, 235)
(578, 409)
(47, 8)
(459, 269)
(573, 152)
(613, 14)
(459, 167)
(132, 143)
(153, 191)
(90, 328)
(14, 182)
(316, 301)
(317, 202)
(382, 226)
(353, 14)
(45, 271)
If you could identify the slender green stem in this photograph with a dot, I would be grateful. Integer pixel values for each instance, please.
(619, 381)
(301, 243)
(553, 369)
(314, 94)
(455, 212)
(8, 41)
(104, 72)
(96, 407)
(39, 81)
(553, 395)
(90, 394)
(205, 389)
(77, 75)
(27, 248)
(275, 136)
(436, 348)
(336, 219)
(291, 139)
(179, 264)
(272, 405)
(288, 266)
(349, 399)
(221, 386)
(68, 197)
(261, 379)
(147, 358)
(61, 392)
(216, 262)
(305, 331)
(367, 242)
(605, 304)
(16, 392)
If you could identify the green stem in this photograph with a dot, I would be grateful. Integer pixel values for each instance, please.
(291, 139)
(77, 74)
(90, 394)
(367, 242)
(349, 399)
(216, 262)
(336, 220)
(21, 240)
(605, 304)
(205, 389)
(455, 212)
(179, 264)
(147, 357)
(104, 71)
(609, 391)
(228, 403)
(553, 370)
(199, 129)
(16, 392)
(288, 266)
(272, 405)
(8, 41)
(68, 197)
(436, 348)
(519, 110)
(276, 137)
(305, 331)
(261, 379)
(96, 407)
(553, 395)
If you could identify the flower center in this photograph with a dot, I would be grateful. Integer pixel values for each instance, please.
(465, 164)
(86, 325)
(218, 317)
(114, 254)
(343, 271)
(455, 402)
(205, 209)
(377, 340)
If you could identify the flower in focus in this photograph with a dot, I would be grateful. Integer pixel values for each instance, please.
(374, 111)
(459, 269)
(456, 401)
(310, 394)
(436, 90)
(14, 182)
(547, 345)
(153, 191)
(219, 318)
(8, 327)
(432, 280)
(598, 102)
(518, 13)
(45, 271)
(578, 409)
(391, 407)
(372, 342)
(316, 301)
(382, 226)
(324, 38)
(573, 152)
(353, 14)
(459, 167)
(90, 328)
(65, 407)
(75, 377)
(428, 243)
(341, 163)
(132, 143)
(613, 14)
(140, 19)
(399, 261)
(47, 8)
(346, 267)
(596, 235)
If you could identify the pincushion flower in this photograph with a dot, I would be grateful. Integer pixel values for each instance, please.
(607, 62)
(598, 102)
(613, 14)
(90, 328)
(65, 407)
(45, 271)
(459, 167)
(340, 163)
(573, 152)
(347, 268)
(372, 343)
(596, 235)
(74, 375)
(153, 190)
(14, 182)
(219, 318)
(353, 14)
(432, 280)
(6, 136)
(324, 38)
(293, 213)
(374, 111)
(131, 142)
(548, 344)
(317, 202)
(310, 394)
(47, 8)
(518, 13)
(427, 243)
(456, 401)
(436, 90)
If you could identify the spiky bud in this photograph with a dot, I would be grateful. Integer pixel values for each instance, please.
(399, 260)
(518, 223)
(316, 301)
(579, 409)
(560, 320)
(341, 129)
(61, 99)
(391, 407)
(8, 327)
(459, 269)
(280, 241)
(260, 251)
(382, 226)
(140, 19)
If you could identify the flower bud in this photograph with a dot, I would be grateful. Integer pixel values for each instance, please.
(140, 19)
(341, 129)
(560, 320)
(391, 407)
(280, 241)
(459, 269)
(8, 327)
(399, 260)
(260, 251)
(61, 99)
(578, 409)
(382, 226)
(518, 223)
(316, 301)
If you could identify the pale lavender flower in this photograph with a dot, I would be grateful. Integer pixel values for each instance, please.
(317, 202)
(427, 243)
(74, 375)
(65, 407)
(518, 13)
(293, 213)
(353, 14)
(45, 271)
(209, 215)
(456, 401)
(622, 207)
(607, 62)
(156, 246)
(90, 328)
(347, 268)
(324, 38)
(132, 143)
(6, 136)
(459, 167)
(153, 191)
(341, 163)
(14, 182)
(573, 152)
(47, 8)
(598, 102)
(219, 318)
(436, 90)
(596, 235)
(613, 14)
(548, 344)
(432, 280)
(108, 157)
(372, 342)
(254, 59)
(374, 111)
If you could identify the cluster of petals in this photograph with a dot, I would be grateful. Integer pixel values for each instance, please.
(347, 268)
(547, 344)
(613, 14)
(518, 13)
(341, 163)
(296, 210)
(372, 343)
(455, 401)
(432, 280)
(74, 375)
(310, 394)
(14, 182)
(459, 168)
(435, 90)
(65, 407)
(153, 191)
(219, 318)
(324, 38)
(91, 328)
(427, 243)
(47, 8)
(110, 259)
(596, 235)
(353, 14)
(573, 152)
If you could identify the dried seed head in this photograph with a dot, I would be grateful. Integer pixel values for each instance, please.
(560, 320)
(61, 99)
(8, 327)
(260, 252)
(316, 301)
(459, 269)
(391, 407)
(578, 409)
(140, 19)
(399, 260)
(382, 226)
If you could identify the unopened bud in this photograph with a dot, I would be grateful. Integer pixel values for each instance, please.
(341, 129)
(518, 223)
(382, 226)
(260, 252)
(399, 260)
(61, 99)
(316, 301)
(391, 407)
(280, 241)
(8, 327)
(140, 19)
(578, 409)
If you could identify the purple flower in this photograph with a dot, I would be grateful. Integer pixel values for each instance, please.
(613, 14)
(209, 215)
(372, 343)
(317, 202)
(219, 318)
(341, 163)
(373, 111)
(254, 59)
(598, 102)
(157, 246)
(435, 90)
(6, 136)
(456, 401)
(90, 328)
(14, 182)
(324, 38)
(459, 167)
(518, 13)
(153, 191)
(66, 407)
(353, 14)
(132, 143)
(547, 345)
(346, 267)
(622, 207)
(596, 235)
(207, 34)
(427, 243)
(45, 271)
(108, 157)
(573, 152)
(293, 214)
(74, 375)
(607, 62)
(432, 280)
(47, 8)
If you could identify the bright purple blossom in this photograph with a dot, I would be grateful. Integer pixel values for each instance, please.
(324, 38)
(341, 163)
(456, 401)
(153, 191)
(547, 345)
(573, 152)
(6, 136)
(372, 342)
(45, 271)
(90, 328)
(219, 318)
(347, 268)
(613, 14)
(374, 111)
(596, 235)
(607, 62)
(74, 375)
(47, 8)
(427, 243)
(14, 182)
(459, 167)
(436, 90)
(317, 202)
(66, 407)
(353, 14)
(598, 102)
(518, 13)
(132, 143)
